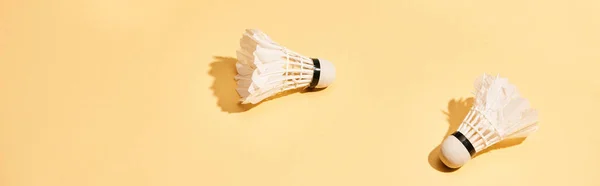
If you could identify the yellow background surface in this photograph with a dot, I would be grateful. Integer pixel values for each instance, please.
(132, 92)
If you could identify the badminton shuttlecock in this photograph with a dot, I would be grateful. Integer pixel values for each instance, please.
(266, 68)
(499, 113)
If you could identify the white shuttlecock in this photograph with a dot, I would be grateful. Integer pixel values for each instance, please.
(266, 68)
(499, 113)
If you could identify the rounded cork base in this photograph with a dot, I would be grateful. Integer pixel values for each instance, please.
(327, 74)
(453, 153)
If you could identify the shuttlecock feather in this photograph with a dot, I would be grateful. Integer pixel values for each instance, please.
(266, 68)
(499, 113)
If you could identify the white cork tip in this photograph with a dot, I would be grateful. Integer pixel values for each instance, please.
(327, 74)
(453, 153)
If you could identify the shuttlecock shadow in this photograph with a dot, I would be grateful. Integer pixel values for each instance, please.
(223, 70)
(457, 111)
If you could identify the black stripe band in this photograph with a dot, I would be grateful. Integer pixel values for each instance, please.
(316, 73)
(465, 142)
